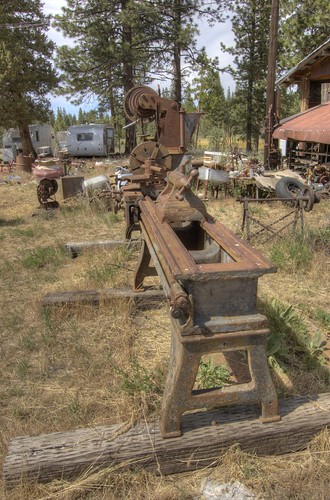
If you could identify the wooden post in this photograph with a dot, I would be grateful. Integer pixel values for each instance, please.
(270, 100)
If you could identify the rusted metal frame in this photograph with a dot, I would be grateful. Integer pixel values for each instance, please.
(269, 228)
(143, 268)
(168, 246)
(270, 200)
(182, 266)
(265, 226)
(247, 218)
(235, 246)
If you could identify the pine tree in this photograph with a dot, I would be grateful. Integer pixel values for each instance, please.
(110, 55)
(250, 24)
(26, 71)
(304, 26)
(123, 43)
(210, 97)
(177, 34)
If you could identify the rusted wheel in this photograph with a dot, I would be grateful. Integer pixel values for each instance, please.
(147, 150)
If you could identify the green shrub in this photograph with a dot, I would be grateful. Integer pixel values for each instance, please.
(42, 257)
(139, 379)
(210, 376)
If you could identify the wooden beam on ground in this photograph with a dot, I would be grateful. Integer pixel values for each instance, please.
(206, 436)
(76, 247)
(97, 297)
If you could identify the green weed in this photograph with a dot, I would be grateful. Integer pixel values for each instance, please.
(291, 254)
(320, 239)
(289, 343)
(29, 233)
(74, 407)
(322, 316)
(42, 257)
(50, 327)
(11, 222)
(23, 367)
(103, 274)
(27, 343)
(210, 376)
(139, 379)
(255, 210)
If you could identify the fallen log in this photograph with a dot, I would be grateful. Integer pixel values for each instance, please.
(97, 297)
(206, 436)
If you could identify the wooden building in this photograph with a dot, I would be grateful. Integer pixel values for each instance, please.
(305, 137)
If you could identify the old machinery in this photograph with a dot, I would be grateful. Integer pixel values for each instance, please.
(174, 126)
(210, 277)
(46, 190)
(208, 274)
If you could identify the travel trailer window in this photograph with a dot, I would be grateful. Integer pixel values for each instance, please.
(37, 135)
(85, 137)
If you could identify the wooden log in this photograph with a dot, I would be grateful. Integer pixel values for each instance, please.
(76, 247)
(206, 436)
(96, 297)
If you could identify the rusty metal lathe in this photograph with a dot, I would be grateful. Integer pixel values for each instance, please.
(209, 275)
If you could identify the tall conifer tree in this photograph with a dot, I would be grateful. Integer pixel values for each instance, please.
(26, 71)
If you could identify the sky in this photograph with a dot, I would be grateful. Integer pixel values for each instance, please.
(210, 38)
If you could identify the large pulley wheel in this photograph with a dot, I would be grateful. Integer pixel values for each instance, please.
(150, 150)
(133, 103)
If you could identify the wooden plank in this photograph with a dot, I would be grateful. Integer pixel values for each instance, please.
(96, 297)
(76, 247)
(206, 436)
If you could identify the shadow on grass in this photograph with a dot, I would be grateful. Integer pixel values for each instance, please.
(11, 222)
(293, 353)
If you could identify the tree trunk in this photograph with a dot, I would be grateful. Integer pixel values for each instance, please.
(177, 54)
(128, 80)
(28, 149)
(207, 436)
(114, 117)
(177, 75)
(249, 118)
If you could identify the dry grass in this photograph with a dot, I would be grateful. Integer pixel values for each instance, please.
(84, 367)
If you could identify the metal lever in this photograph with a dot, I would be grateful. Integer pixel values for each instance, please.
(181, 182)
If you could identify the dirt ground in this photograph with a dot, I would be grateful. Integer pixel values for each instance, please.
(87, 367)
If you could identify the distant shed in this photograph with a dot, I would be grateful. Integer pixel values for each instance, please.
(307, 135)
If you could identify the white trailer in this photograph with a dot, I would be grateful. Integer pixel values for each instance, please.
(90, 140)
(42, 136)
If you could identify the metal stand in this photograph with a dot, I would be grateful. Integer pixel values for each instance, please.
(186, 353)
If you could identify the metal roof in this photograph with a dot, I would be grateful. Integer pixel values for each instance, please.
(304, 66)
(312, 125)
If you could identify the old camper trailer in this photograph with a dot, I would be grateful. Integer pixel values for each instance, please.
(42, 136)
(90, 140)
